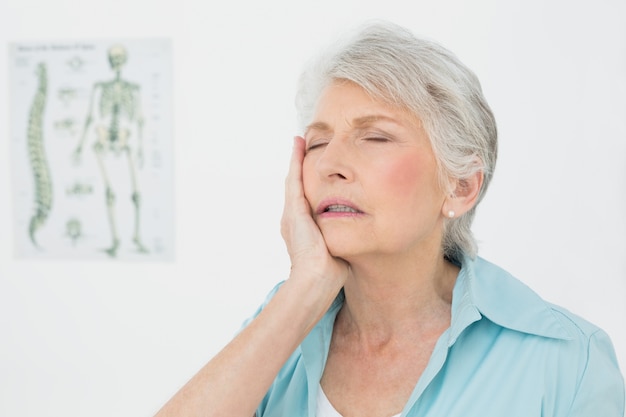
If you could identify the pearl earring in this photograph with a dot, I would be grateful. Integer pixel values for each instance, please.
(451, 214)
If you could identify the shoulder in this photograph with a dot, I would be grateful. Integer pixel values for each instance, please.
(582, 362)
(509, 302)
(590, 353)
(130, 85)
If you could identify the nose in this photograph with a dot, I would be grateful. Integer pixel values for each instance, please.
(335, 161)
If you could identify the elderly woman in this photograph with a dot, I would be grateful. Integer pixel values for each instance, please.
(387, 309)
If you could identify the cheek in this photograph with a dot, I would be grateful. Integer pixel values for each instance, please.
(401, 174)
(405, 174)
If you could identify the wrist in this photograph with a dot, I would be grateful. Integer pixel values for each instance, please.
(315, 289)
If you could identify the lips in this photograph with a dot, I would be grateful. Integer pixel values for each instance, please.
(338, 207)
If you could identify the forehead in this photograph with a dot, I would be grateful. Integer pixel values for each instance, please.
(344, 102)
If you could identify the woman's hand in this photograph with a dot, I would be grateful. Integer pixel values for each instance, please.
(234, 382)
(310, 258)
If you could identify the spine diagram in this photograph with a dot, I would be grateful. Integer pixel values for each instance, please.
(37, 156)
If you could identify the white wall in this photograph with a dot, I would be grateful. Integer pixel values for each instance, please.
(117, 339)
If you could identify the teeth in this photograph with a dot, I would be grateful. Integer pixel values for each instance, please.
(336, 208)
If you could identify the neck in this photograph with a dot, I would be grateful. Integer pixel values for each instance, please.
(388, 298)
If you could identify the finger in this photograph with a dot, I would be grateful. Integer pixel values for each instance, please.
(293, 183)
(296, 207)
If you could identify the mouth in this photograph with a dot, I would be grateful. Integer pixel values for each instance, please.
(339, 208)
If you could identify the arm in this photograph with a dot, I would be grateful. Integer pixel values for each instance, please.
(234, 382)
(140, 123)
(88, 120)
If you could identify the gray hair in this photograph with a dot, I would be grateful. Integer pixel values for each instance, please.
(428, 80)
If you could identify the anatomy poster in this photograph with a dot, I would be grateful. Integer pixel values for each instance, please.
(91, 142)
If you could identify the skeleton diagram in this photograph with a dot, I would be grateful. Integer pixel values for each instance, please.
(117, 112)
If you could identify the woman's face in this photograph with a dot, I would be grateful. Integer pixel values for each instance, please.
(370, 176)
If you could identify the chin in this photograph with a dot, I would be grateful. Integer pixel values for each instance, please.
(341, 245)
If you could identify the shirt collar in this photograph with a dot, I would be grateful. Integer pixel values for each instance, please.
(484, 289)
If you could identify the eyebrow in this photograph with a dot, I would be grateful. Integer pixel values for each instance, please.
(319, 126)
(357, 123)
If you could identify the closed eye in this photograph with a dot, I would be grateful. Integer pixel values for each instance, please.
(376, 139)
(315, 145)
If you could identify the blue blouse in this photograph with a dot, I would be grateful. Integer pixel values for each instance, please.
(506, 353)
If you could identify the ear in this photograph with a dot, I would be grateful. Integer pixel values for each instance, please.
(463, 195)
